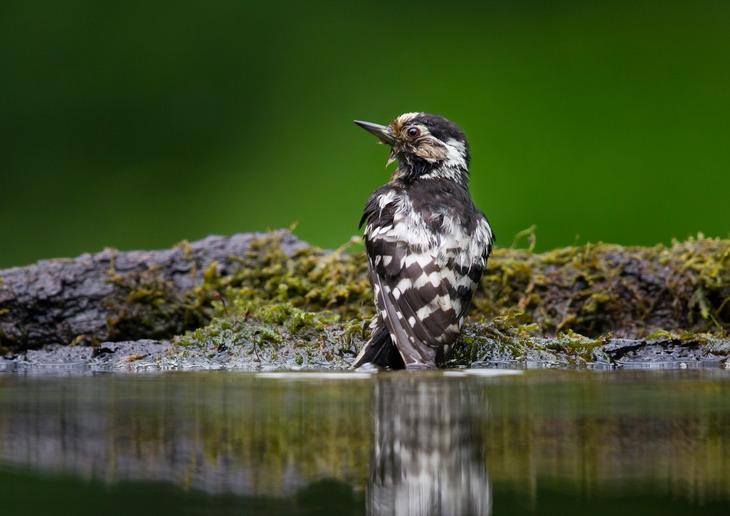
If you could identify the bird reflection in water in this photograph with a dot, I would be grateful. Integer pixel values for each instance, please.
(428, 454)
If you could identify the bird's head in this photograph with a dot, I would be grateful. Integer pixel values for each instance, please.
(425, 146)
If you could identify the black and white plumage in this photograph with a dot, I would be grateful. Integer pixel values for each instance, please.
(426, 242)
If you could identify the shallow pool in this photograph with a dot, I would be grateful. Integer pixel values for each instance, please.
(495, 442)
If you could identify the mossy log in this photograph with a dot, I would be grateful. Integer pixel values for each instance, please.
(627, 291)
(270, 300)
(118, 295)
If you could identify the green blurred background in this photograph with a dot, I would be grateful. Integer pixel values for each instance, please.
(138, 124)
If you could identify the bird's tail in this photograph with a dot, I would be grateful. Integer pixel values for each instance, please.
(380, 351)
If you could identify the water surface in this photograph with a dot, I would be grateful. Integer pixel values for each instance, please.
(540, 442)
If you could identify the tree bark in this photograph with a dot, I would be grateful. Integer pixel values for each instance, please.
(115, 295)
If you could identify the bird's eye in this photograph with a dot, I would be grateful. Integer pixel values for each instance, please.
(413, 132)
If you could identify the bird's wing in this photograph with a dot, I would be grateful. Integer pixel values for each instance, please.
(422, 303)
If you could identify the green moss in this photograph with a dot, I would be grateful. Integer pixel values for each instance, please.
(272, 333)
(312, 279)
(313, 307)
(595, 289)
(146, 305)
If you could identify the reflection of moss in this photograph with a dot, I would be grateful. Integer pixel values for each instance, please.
(590, 429)
(315, 430)
(310, 307)
(596, 430)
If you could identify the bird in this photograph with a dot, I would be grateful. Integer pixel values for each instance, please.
(426, 242)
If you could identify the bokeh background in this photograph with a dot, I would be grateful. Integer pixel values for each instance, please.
(138, 124)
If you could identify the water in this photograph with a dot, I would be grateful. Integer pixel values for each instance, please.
(541, 442)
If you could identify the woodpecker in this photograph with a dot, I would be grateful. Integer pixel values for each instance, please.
(427, 244)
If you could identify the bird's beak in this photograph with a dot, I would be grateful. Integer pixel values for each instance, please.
(383, 132)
